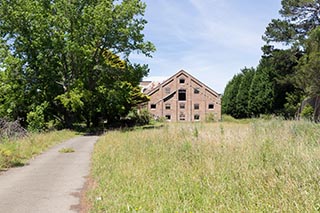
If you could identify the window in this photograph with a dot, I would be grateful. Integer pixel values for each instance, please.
(196, 106)
(196, 91)
(196, 117)
(182, 80)
(211, 106)
(182, 106)
(168, 106)
(153, 106)
(168, 117)
(182, 95)
(167, 90)
(182, 117)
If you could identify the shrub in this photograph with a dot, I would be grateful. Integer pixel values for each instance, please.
(307, 112)
(36, 120)
(139, 117)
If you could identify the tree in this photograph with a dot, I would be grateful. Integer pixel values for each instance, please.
(229, 104)
(308, 76)
(242, 110)
(261, 95)
(299, 17)
(67, 54)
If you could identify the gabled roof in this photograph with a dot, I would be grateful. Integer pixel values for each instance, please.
(182, 72)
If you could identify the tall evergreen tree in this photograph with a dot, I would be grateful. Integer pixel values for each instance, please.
(242, 98)
(229, 104)
(261, 95)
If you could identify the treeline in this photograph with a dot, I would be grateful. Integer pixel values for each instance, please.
(65, 62)
(284, 77)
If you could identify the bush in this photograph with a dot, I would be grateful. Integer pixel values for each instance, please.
(36, 120)
(139, 117)
(307, 112)
(210, 117)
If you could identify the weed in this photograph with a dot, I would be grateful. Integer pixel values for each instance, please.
(67, 150)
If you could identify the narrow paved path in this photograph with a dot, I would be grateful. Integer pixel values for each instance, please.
(51, 182)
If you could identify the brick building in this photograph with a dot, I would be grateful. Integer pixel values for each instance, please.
(182, 98)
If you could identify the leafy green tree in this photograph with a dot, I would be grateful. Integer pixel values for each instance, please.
(242, 110)
(67, 53)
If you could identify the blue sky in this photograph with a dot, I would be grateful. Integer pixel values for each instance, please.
(210, 39)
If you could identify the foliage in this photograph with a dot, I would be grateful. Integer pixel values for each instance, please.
(230, 94)
(73, 55)
(270, 88)
(242, 98)
(36, 119)
(261, 95)
(298, 18)
(205, 167)
(139, 117)
(307, 112)
(211, 117)
(309, 65)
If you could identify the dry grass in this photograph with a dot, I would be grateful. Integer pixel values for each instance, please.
(18, 152)
(262, 166)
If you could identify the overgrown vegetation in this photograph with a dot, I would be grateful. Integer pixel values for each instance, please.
(16, 152)
(261, 166)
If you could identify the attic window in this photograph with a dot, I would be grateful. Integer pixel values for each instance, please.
(168, 106)
(211, 106)
(196, 90)
(167, 90)
(182, 80)
(182, 95)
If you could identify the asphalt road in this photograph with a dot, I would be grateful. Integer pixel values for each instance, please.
(52, 182)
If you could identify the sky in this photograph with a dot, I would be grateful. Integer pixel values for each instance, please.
(210, 39)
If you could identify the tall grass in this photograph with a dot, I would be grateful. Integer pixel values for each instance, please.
(18, 152)
(262, 166)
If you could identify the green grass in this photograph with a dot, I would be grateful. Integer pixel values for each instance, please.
(18, 152)
(262, 166)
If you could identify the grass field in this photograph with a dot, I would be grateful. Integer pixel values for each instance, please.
(18, 152)
(260, 166)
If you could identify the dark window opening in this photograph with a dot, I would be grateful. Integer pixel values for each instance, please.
(196, 117)
(196, 106)
(182, 117)
(168, 106)
(153, 106)
(167, 90)
(168, 117)
(182, 106)
(182, 80)
(211, 106)
(196, 90)
(182, 95)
